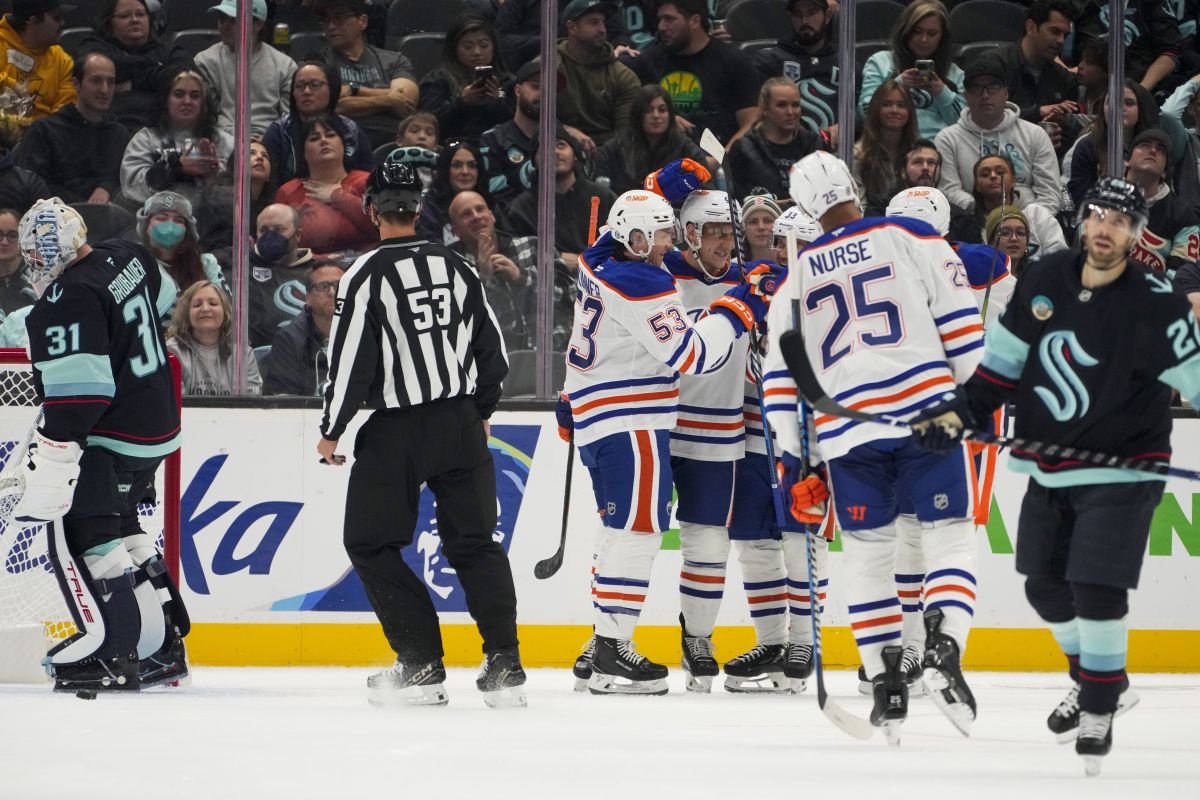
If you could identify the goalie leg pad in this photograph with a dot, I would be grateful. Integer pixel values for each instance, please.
(795, 558)
(705, 551)
(98, 590)
(765, 579)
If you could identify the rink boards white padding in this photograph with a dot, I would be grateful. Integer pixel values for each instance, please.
(267, 581)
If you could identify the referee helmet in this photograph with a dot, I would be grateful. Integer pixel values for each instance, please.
(394, 186)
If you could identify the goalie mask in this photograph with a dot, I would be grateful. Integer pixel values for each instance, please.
(640, 211)
(50, 234)
(924, 203)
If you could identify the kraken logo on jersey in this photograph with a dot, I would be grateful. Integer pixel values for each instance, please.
(289, 297)
(818, 95)
(1060, 351)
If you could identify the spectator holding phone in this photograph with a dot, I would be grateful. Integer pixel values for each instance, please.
(465, 91)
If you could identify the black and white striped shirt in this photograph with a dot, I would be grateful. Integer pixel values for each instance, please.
(411, 326)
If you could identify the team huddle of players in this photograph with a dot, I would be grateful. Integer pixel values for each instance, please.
(660, 395)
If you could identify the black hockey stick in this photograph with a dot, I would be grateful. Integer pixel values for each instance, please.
(548, 566)
(791, 347)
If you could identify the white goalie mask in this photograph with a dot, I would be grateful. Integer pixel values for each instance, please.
(640, 211)
(805, 227)
(50, 234)
(820, 181)
(924, 203)
(701, 207)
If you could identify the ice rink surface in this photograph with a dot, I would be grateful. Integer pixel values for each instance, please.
(278, 734)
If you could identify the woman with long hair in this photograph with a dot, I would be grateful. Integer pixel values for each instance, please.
(330, 198)
(889, 130)
(167, 227)
(201, 337)
(459, 168)
(1089, 158)
(183, 149)
(921, 34)
(316, 89)
(649, 141)
(995, 186)
(759, 161)
(1007, 229)
(465, 90)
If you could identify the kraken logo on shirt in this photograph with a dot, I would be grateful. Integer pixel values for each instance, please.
(1061, 353)
(289, 297)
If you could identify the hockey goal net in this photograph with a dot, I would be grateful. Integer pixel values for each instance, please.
(33, 615)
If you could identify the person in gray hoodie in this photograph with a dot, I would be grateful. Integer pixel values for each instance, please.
(992, 125)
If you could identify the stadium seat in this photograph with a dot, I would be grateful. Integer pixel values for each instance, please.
(305, 43)
(987, 20)
(754, 45)
(873, 19)
(967, 53)
(758, 19)
(71, 38)
(193, 40)
(382, 152)
(424, 50)
(188, 14)
(107, 221)
(864, 50)
(405, 17)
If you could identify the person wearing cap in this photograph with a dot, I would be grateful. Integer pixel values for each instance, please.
(991, 124)
(465, 90)
(573, 195)
(270, 70)
(759, 212)
(1172, 234)
(760, 160)
(167, 227)
(599, 89)
(808, 57)
(1008, 229)
(30, 56)
(508, 148)
(519, 23)
(379, 87)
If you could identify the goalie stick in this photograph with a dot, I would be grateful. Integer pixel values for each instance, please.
(12, 483)
(791, 347)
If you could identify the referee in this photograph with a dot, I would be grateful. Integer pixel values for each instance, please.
(413, 337)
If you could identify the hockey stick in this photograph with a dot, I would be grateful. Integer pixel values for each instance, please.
(548, 566)
(854, 726)
(791, 347)
(994, 244)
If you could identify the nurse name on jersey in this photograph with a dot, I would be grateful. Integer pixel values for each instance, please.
(826, 261)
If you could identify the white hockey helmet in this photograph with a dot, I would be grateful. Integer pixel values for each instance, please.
(703, 206)
(820, 181)
(50, 235)
(640, 210)
(924, 203)
(806, 228)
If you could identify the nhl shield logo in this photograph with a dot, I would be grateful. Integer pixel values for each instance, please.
(941, 502)
(612, 509)
(791, 71)
(261, 274)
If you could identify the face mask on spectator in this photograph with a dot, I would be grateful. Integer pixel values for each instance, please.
(273, 245)
(167, 234)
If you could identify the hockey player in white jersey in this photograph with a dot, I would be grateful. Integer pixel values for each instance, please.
(889, 324)
(631, 340)
(773, 560)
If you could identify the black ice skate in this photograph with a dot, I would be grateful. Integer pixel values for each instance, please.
(168, 666)
(618, 668)
(798, 667)
(943, 675)
(1063, 721)
(891, 696)
(760, 670)
(583, 665)
(910, 665)
(409, 685)
(1095, 740)
(93, 676)
(502, 680)
(698, 663)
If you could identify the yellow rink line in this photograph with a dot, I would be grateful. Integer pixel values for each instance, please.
(1013, 649)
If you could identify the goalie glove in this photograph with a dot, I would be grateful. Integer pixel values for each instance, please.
(677, 180)
(49, 476)
(806, 495)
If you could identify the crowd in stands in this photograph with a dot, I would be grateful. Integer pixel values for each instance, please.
(126, 108)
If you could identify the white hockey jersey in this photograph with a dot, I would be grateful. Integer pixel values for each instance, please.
(889, 322)
(985, 266)
(631, 339)
(709, 426)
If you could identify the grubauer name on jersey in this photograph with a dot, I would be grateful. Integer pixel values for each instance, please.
(889, 323)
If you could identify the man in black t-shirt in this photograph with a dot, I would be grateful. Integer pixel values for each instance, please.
(807, 57)
(713, 84)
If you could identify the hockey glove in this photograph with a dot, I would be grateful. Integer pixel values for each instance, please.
(566, 421)
(744, 306)
(807, 495)
(49, 478)
(677, 180)
(939, 428)
(765, 276)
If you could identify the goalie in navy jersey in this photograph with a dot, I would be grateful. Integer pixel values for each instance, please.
(109, 418)
(1088, 348)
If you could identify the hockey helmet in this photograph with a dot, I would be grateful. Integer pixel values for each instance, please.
(1119, 195)
(394, 186)
(703, 206)
(640, 210)
(805, 227)
(924, 203)
(50, 236)
(820, 181)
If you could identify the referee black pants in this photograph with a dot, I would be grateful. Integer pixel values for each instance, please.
(441, 444)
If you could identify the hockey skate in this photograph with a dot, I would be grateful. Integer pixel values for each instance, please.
(891, 696)
(88, 678)
(1095, 740)
(865, 687)
(583, 665)
(910, 665)
(618, 668)
(409, 685)
(698, 663)
(760, 670)
(798, 666)
(168, 666)
(1063, 721)
(502, 679)
(943, 675)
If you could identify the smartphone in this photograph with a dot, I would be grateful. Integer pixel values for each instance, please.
(483, 74)
(924, 68)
